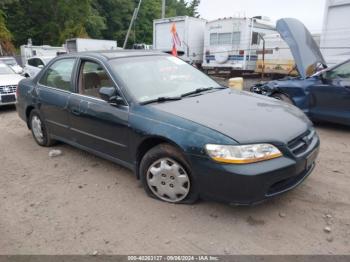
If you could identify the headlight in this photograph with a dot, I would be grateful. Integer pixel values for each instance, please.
(242, 154)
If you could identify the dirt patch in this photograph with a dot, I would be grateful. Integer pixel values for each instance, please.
(255, 222)
(77, 203)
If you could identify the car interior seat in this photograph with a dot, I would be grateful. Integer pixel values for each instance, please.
(91, 84)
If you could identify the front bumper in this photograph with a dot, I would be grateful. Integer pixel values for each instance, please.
(253, 183)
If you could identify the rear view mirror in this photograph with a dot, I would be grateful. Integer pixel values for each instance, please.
(109, 94)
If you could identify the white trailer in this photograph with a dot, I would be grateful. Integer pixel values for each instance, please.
(232, 43)
(29, 51)
(277, 57)
(81, 44)
(190, 31)
(335, 39)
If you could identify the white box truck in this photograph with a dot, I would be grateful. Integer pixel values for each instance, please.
(335, 38)
(190, 31)
(29, 51)
(82, 45)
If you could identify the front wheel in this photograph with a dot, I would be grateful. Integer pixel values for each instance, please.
(166, 175)
(39, 130)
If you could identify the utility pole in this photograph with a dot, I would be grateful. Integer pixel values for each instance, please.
(163, 8)
(134, 16)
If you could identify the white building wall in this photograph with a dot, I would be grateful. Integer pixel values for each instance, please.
(335, 39)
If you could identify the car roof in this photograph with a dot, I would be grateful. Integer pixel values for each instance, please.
(42, 57)
(113, 54)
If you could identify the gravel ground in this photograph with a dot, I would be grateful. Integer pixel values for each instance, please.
(77, 203)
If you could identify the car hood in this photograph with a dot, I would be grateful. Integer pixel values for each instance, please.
(18, 69)
(305, 50)
(13, 79)
(242, 116)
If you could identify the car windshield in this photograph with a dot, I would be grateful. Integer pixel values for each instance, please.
(46, 60)
(9, 61)
(149, 78)
(342, 72)
(5, 70)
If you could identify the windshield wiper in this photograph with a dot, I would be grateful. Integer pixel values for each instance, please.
(201, 90)
(161, 99)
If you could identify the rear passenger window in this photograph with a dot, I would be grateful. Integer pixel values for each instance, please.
(59, 75)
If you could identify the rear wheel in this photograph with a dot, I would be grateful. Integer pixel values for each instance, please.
(39, 130)
(283, 97)
(166, 175)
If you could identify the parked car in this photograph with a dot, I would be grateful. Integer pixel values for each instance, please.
(11, 62)
(182, 134)
(35, 64)
(8, 85)
(322, 93)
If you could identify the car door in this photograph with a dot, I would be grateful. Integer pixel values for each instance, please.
(54, 89)
(96, 124)
(331, 96)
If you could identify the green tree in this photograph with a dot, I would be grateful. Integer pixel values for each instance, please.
(5, 36)
(78, 18)
(143, 28)
(53, 21)
(117, 15)
(193, 8)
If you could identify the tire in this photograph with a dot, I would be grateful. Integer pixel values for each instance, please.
(283, 97)
(36, 125)
(166, 176)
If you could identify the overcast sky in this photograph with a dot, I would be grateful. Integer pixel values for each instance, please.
(310, 12)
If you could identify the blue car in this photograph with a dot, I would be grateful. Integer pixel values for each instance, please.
(322, 93)
(182, 134)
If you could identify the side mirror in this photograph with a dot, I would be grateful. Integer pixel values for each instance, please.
(40, 66)
(109, 95)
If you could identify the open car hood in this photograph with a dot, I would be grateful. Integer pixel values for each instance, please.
(306, 53)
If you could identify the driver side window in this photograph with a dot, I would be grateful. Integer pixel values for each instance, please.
(340, 72)
(92, 77)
